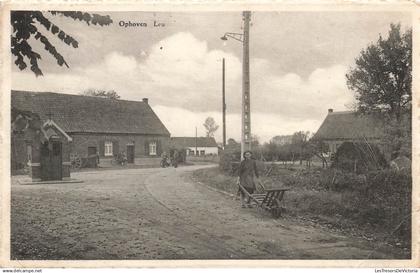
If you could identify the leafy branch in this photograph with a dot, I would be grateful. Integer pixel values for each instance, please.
(25, 25)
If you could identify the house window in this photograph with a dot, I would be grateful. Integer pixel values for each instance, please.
(202, 152)
(191, 152)
(152, 148)
(108, 148)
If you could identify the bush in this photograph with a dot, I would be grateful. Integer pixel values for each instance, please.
(379, 199)
(358, 157)
(227, 160)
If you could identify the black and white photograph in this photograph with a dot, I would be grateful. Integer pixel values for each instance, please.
(238, 134)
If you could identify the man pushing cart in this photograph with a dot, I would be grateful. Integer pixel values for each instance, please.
(269, 200)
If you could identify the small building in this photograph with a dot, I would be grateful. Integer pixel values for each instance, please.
(99, 126)
(200, 146)
(348, 126)
(41, 147)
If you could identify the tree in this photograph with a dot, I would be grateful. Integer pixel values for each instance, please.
(210, 126)
(282, 140)
(270, 151)
(318, 148)
(381, 81)
(299, 142)
(231, 141)
(111, 94)
(25, 24)
(382, 76)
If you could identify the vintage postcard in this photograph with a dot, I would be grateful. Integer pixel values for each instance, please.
(190, 134)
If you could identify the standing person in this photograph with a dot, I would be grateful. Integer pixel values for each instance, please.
(164, 161)
(175, 159)
(97, 160)
(247, 171)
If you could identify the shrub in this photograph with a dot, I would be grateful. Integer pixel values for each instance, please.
(358, 157)
(380, 198)
(227, 160)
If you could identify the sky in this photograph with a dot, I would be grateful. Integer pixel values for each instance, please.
(298, 62)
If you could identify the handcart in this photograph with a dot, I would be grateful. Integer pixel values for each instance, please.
(270, 200)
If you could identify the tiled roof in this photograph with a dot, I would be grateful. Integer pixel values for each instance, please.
(183, 142)
(349, 125)
(76, 113)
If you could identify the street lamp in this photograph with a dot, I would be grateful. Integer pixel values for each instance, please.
(246, 99)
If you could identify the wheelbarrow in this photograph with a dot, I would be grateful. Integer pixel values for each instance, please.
(269, 200)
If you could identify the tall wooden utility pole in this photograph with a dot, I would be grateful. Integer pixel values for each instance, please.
(196, 150)
(246, 99)
(224, 104)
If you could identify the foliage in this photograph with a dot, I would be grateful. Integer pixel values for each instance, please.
(318, 148)
(210, 126)
(231, 142)
(382, 83)
(290, 148)
(230, 157)
(110, 94)
(376, 202)
(227, 160)
(397, 136)
(359, 157)
(26, 24)
(282, 139)
(382, 76)
(300, 144)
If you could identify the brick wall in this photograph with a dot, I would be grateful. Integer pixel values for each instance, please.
(18, 151)
(81, 142)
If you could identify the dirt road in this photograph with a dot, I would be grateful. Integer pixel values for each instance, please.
(161, 214)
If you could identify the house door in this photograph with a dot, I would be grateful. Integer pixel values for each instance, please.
(56, 161)
(45, 161)
(51, 161)
(91, 151)
(130, 153)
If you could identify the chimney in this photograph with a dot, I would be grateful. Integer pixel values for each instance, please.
(146, 100)
(330, 110)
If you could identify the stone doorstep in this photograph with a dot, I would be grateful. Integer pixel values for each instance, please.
(68, 181)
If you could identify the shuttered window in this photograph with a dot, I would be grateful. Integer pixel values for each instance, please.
(108, 148)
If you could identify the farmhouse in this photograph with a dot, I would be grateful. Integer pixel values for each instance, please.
(203, 145)
(347, 126)
(97, 126)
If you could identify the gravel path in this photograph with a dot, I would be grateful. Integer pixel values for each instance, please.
(160, 214)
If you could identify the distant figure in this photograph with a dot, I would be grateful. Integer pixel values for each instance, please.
(247, 171)
(175, 158)
(124, 159)
(164, 162)
(97, 159)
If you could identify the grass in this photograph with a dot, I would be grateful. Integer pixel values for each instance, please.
(314, 196)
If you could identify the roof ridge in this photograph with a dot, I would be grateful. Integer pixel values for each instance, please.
(191, 137)
(75, 95)
(342, 112)
(78, 113)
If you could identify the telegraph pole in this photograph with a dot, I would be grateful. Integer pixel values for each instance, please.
(246, 99)
(224, 104)
(196, 150)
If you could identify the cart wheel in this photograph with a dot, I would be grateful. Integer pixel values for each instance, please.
(76, 161)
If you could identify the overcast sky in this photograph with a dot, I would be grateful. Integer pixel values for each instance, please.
(298, 65)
